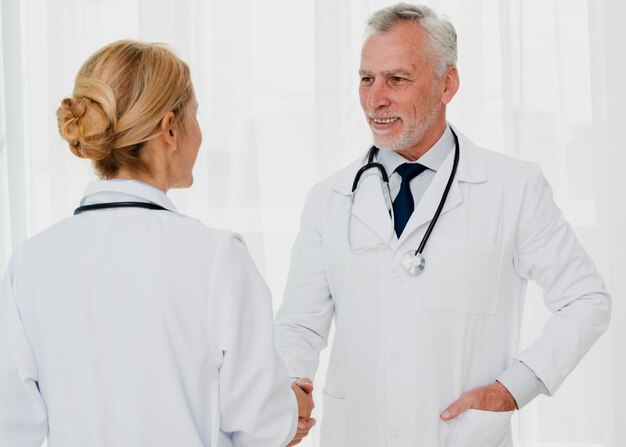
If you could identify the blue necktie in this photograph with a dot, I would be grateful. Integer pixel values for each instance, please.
(403, 205)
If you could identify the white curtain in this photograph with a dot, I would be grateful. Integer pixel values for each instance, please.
(13, 174)
(5, 217)
(277, 87)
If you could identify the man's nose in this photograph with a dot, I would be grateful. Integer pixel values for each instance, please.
(377, 96)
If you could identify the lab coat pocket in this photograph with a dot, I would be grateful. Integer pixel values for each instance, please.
(463, 277)
(334, 431)
(484, 429)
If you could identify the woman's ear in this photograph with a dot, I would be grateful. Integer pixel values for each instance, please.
(169, 132)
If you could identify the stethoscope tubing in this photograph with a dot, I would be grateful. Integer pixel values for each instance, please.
(444, 197)
(371, 164)
(102, 206)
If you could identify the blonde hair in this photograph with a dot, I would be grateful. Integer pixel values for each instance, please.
(120, 96)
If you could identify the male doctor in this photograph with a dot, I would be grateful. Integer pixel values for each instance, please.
(431, 359)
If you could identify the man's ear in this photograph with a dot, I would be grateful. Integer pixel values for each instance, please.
(451, 85)
(169, 132)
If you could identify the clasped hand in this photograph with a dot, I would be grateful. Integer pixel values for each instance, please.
(303, 389)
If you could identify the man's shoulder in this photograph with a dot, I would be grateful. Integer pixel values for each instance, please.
(496, 164)
(495, 161)
(341, 180)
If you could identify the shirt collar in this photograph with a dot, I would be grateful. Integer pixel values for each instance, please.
(120, 190)
(432, 159)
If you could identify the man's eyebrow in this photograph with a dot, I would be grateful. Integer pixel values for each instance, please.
(395, 71)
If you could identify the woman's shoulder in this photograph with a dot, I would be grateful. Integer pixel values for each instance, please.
(195, 228)
(170, 229)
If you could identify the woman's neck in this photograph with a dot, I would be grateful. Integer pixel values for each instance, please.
(159, 182)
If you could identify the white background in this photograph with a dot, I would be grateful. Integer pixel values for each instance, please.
(277, 86)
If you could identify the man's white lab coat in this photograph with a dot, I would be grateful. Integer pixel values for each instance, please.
(135, 327)
(406, 347)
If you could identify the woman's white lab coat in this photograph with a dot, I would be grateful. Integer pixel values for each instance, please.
(135, 327)
(406, 347)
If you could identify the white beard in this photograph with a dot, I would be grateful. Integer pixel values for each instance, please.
(411, 134)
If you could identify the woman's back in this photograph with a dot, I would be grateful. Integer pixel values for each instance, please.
(147, 328)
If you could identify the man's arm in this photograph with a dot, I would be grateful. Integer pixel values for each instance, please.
(548, 252)
(304, 319)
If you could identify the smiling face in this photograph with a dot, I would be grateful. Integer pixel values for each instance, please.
(401, 94)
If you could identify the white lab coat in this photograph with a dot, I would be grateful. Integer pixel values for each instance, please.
(406, 347)
(134, 327)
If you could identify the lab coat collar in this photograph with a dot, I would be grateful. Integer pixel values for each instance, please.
(120, 190)
(471, 167)
(371, 212)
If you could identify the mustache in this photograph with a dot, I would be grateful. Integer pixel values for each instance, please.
(383, 115)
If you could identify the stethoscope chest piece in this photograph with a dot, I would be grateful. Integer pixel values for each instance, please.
(414, 262)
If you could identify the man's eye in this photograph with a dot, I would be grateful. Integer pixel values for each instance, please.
(366, 79)
(398, 79)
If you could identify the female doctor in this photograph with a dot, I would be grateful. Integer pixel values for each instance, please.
(130, 324)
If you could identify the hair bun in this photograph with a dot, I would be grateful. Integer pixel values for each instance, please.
(86, 127)
(69, 127)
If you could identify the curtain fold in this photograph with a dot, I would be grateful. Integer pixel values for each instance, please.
(13, 175)
(608, 71)
(5, 217)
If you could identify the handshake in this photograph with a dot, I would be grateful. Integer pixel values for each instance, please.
(303, 389)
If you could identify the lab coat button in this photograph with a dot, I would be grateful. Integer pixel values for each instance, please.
(395, 357)
(395, 433)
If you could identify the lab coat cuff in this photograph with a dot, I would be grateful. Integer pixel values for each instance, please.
(522, 383)
(296, 370)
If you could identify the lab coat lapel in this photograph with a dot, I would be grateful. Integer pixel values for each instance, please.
(370, 208)
(470, 170)
(370, 224)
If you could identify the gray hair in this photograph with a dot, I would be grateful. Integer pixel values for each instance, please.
(440, 31)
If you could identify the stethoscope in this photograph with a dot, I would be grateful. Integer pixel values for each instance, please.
(413, 261)
(102, 206)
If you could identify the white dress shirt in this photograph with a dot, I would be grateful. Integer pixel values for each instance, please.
(136, 327)
(432, 160)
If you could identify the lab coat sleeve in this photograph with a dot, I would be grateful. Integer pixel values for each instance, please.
(522, 383)
(548, 252)
(23, 418)
(304, 319)
(257, 406)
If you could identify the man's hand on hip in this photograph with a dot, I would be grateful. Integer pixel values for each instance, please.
(494, 397)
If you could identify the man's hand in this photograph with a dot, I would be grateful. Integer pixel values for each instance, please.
(303, 389)
(494, 397)
(304, 426)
